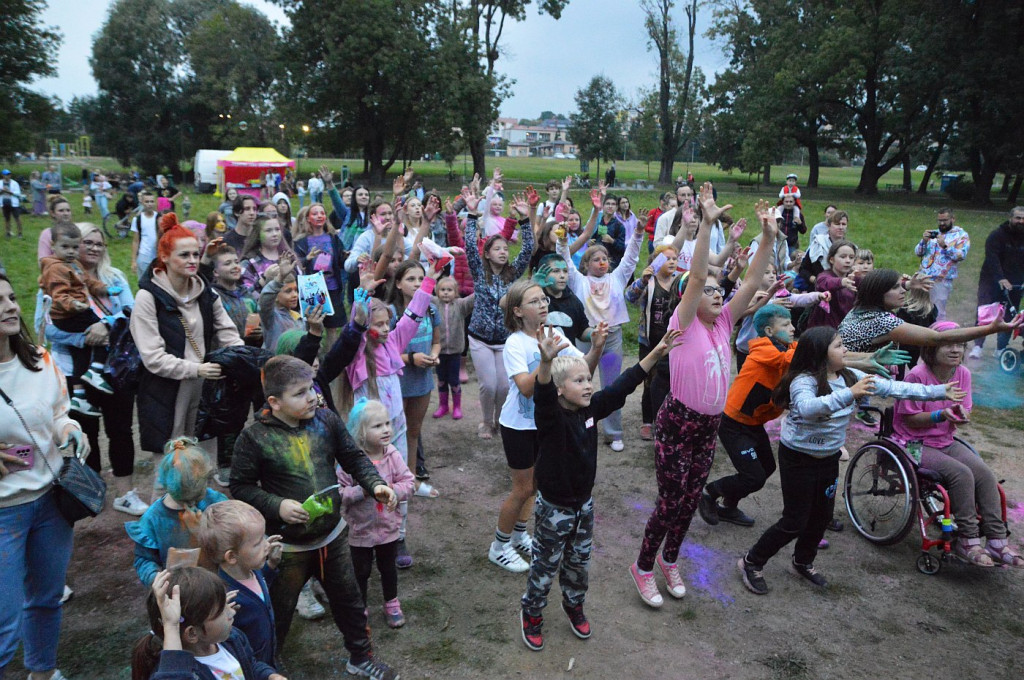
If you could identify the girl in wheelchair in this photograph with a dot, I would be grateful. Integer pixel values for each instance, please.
(821, 396)
(968, 480)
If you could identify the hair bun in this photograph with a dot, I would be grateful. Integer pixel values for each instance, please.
(167, 222)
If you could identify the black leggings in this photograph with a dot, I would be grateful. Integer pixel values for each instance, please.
(362, 564)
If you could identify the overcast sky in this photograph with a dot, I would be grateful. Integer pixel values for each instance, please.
(548, 59)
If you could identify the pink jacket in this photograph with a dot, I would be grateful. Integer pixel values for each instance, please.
(455, 238)
(389, 355)
(370, 523)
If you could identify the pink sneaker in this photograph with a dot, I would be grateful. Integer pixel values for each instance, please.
(393, 613)
(646, 586)
(674, 582)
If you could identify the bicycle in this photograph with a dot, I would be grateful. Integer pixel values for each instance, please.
(115, 227)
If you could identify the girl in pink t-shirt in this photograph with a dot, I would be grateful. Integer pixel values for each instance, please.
(971, 484)
(687, 423)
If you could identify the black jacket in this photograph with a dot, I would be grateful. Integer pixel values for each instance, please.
(273, 461)
(182, 665)
(1004, 257)
(567, 440)
(226, 403)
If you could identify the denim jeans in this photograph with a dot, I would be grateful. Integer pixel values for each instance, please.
(35, 548)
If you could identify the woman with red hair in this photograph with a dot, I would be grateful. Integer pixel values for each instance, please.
(176, 322)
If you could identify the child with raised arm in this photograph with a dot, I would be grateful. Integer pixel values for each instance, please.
(602, 289)
(567, 414)
(284, 466)
(820, 393)
(687, 423)
(192, 636)
(232, 536)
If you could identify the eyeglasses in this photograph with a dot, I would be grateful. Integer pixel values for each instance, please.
(94, 245)
(711, 290)
(539, 302)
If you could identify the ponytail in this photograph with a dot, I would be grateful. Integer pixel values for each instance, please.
(146, 656)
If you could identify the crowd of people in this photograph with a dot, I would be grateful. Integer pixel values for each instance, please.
(311, 418)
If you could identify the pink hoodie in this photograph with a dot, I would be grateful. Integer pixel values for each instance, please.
(370, 523)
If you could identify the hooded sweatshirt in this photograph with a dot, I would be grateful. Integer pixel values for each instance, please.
(274, 461)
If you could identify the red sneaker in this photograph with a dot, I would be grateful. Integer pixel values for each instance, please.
(578, 620)
(532, 635)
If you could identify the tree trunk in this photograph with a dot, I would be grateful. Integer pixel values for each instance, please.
(869, 176)
(1007, 176)
(667, 166)
(907, 181)
(813, 163)
(1015, 190)
(478, 151)
(983, 185)
(932, 162)
(767, 174)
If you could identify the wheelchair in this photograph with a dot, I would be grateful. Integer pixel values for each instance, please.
(887, 493)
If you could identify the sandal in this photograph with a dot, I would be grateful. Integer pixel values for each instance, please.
(970, 550)
(426, 491)
(1002, 553)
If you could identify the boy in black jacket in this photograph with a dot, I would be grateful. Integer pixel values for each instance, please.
(281, 460)
(566, 413)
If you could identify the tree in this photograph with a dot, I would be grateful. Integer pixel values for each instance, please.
(987, 107)
(595, 128)
(26, 47)
(484, 22)
(680, 88)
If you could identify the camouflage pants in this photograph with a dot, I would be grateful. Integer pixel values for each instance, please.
(563, 539)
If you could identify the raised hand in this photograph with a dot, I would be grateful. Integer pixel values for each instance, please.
(775, 288)
(432, 208)
(707, 201)
(377, 225)
(668, 341)
(474, 186)
(542, 276)
(407, 175)
(567, 183)
(168, 600)
(550, 343)
(641, 218)
(742, 257)
(449, 207)
(595, 198)
(599, 335)
(315, 321)
(326, 175)
(471, 199)
(763, 211)
(521, 204)
(602, 187)
(738, 229)
(398, 186)
(532, 197)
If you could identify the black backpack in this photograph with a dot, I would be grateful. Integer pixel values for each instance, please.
(123, 360)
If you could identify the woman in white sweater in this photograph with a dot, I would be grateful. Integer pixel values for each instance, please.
(35, 432)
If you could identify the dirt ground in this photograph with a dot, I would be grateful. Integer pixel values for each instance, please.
(879, 618)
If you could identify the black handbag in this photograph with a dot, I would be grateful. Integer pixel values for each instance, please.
(78, 489)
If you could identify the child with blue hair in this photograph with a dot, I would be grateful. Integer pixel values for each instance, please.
(173, 520)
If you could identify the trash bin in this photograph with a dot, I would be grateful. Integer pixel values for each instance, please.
(344, 174)
(949, 182)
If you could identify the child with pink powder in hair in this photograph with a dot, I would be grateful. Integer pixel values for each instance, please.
(687, 424)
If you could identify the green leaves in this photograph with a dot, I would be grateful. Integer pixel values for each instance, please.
(595, 128)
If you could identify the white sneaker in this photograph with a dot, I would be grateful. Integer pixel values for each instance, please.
(308, 606)
(81, 405)
(131, 503)
(523, 542)
(67, 595)
(975, 353)
(506, 557)
(617, 445)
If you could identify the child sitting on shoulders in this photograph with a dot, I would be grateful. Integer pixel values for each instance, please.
(231, 534)
(372, 528)
(567, 412)
(191, 634)
(173, 520)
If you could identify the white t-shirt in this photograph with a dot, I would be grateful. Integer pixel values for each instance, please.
(223, 665)
(145, 227)
(522, 355)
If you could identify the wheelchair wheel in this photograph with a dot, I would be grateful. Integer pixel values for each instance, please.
(117, 228)
(1009, 360)
(928, 564)
(881, 493)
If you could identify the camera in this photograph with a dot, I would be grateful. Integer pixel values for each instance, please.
(933, 233)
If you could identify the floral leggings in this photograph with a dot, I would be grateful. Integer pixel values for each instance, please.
(684, 448)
